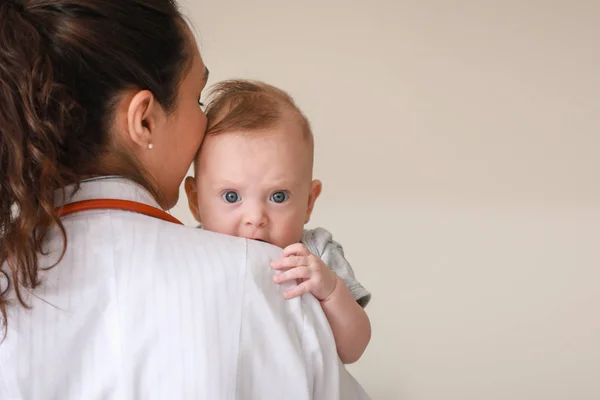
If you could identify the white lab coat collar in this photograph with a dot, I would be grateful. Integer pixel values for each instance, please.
(107, 187)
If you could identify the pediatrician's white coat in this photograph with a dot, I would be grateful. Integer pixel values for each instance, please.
(140, 308)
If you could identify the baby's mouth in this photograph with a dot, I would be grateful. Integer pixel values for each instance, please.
(258, 237)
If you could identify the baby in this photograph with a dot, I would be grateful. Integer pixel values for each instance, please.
(253, 178)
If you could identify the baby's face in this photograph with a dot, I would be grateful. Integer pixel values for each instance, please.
(256, 185)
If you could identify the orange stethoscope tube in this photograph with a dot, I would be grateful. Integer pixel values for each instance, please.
(115, 204)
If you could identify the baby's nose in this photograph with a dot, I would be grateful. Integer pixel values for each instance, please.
(256, 218)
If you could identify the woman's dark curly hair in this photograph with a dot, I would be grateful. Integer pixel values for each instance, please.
(62, 65)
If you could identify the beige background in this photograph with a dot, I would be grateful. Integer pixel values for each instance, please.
(458, 145)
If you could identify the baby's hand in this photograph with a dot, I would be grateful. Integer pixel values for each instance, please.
(312, 273)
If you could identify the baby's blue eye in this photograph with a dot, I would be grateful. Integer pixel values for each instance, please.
(279, 197)
(231, 197)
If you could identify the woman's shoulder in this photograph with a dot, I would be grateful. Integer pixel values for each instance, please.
(134, 239)
(134, 245)
(168, 241)
(171, 243)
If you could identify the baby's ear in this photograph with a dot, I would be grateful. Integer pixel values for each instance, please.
(192, 195)
(315, 190)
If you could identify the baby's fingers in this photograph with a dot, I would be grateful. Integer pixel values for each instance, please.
(289, 262)
(296, 291)
(297, 249)
(294, 273)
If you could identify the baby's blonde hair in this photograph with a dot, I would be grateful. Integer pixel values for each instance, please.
(246, 105)
(249, 106)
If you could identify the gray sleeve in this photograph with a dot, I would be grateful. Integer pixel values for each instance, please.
(320, 242)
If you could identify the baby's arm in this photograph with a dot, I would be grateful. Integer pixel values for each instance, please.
(349, 322)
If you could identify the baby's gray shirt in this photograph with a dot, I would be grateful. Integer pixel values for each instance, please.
(320, 242)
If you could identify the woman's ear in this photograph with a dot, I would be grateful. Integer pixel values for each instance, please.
(315, 191)
(143, 116)
(192, 195)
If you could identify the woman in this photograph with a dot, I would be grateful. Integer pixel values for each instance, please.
(114, 299)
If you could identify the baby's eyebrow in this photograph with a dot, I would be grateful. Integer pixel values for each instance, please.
(224, 184)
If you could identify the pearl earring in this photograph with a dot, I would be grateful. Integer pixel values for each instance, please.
(150, 146)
